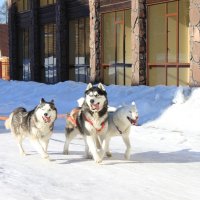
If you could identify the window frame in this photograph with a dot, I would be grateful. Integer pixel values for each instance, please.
(104, 65)
(46, 67)
(166, 65)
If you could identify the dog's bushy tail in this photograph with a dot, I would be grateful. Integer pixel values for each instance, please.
(8, 121)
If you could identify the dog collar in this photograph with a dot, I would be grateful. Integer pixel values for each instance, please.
(91, 123)
(118, 129)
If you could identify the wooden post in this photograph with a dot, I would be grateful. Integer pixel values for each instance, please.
(35, 42)
(61, 41)
(194, 43)
(95, 70)
(12, 30)
(138, 41)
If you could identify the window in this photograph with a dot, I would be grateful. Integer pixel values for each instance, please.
(24, 55)
(117, 47)
(168, 43)
(49, 53)
(79, 51)
(23, 5)
(46, 2)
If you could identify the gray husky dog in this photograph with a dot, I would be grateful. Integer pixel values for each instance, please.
(36, 124)
(119, 124)
(91, 120)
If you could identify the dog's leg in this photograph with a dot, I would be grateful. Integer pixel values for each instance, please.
(44, 143)
(36, 143)
(70, 135)
(108, 153)
(126, 140)
(102, 144)
(87, 152)
(91, 143)
(19, 143)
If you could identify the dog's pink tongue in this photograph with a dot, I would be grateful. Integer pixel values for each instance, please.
(47, 119)
(95, 106)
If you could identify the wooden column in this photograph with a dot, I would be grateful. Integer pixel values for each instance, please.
(35, 64)
(95, 70)
(61, 40)
(194, 43)
(138, 41)
(12, 31)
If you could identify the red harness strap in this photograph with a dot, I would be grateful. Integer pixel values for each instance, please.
(71, 119)
(98, 130)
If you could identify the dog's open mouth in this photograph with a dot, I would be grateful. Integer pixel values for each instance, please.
(133, 121)
(95, 106)
(47, 119)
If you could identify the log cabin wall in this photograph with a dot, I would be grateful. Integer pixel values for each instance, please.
(113, 5)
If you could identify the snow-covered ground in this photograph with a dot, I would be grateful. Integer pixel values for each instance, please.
(165, 159)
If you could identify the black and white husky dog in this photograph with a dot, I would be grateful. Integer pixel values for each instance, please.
(119, 124)
(36, 124)
(91, 120)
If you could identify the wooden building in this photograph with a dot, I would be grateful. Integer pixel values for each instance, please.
(3, 40)
(126, 42)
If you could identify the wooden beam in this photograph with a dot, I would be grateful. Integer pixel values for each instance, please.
(138, 41)
(12, 29)
(34, 39)
(61, 41)
(95, 71)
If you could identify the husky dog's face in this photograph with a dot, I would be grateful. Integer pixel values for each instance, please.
(129, 113)
(46, 111)
(95, 97)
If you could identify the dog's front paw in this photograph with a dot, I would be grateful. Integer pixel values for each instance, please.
(127, 155)
(98, 160)
(23, 153)
(45, 156)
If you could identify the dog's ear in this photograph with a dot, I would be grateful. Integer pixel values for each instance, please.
(101, 87)
(52, 101)
(42, 100)
(89, 86)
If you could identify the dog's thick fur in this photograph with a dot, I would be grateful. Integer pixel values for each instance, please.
(119, 124)
(37, 125)
(91, 120)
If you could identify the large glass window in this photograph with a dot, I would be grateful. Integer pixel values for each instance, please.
(46, 2)
(23, 5)
(168, 43)
(79, 51)
(116, 44)
(48, 53)
(24, 54)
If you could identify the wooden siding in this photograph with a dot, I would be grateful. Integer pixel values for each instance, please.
(4, 39)
(148, 2)
(47, 14)
(76, 9)
(23, 19)
(112, 5)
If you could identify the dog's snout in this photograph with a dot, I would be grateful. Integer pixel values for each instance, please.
(45, 114)
(91, 100)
